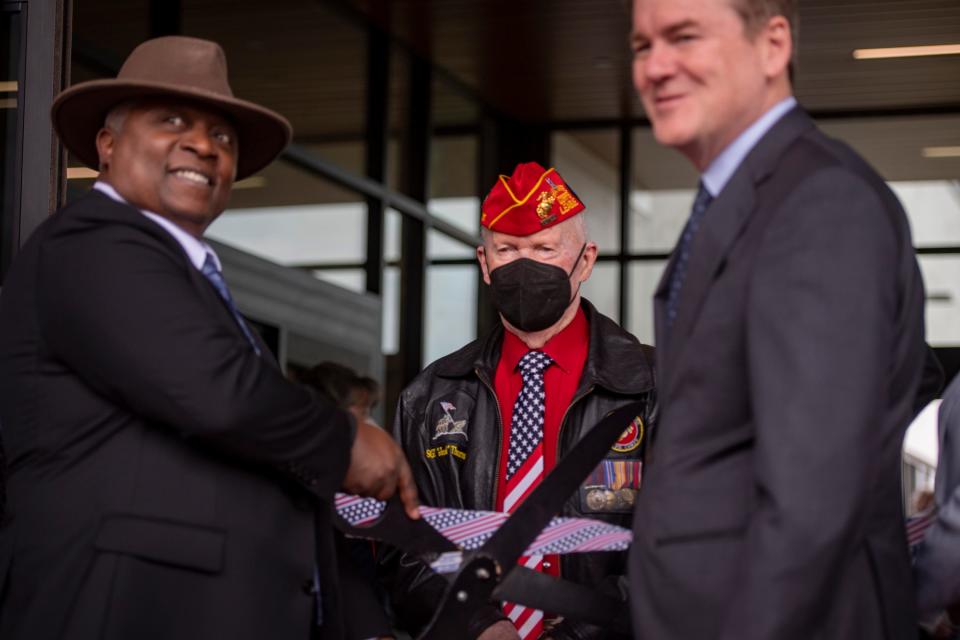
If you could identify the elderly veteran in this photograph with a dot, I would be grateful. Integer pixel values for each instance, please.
(166, 480)
(483, 425)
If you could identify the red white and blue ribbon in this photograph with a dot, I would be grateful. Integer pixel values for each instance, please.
(917, 527)
(469, 530)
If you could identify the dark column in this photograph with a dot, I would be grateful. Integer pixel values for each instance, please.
(414, 175)
(46, 53)
(488, 167)
(378, 91)
(626, 173)
(504, 143)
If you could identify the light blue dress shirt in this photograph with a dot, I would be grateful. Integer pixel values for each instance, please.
(717, 175)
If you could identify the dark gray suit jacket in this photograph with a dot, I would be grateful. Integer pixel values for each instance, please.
(771, 504)
(163, 479)
(937, 568)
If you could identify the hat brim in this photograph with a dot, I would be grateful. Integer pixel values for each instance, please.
(78, 114)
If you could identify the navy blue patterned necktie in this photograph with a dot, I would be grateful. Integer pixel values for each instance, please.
(213, 274)
(700, 205)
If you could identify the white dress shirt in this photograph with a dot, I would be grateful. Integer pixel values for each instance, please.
(196, 249)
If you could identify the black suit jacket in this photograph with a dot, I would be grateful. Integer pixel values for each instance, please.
(163, 478)
(771, 505)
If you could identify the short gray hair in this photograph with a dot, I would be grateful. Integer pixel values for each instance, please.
(117, 116)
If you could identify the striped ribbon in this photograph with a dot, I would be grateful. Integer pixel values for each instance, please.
(470, 530)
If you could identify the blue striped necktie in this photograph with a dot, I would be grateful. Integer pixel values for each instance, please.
(213, 274)
(700, 205)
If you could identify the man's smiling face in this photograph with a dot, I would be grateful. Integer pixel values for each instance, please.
(171, 158)
(701, 77)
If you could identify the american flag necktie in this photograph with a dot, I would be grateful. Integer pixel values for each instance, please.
(525, 470)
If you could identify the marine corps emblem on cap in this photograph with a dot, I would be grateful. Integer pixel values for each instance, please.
(533, 198)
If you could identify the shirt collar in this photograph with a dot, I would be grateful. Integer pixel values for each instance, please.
(561, 347)
(196, 249)
(717, 175)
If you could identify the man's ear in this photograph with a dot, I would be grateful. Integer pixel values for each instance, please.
(105, 143)
(778, 47)
(482, 259)
(587, 261)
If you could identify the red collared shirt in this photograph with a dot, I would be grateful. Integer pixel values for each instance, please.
(569, 352)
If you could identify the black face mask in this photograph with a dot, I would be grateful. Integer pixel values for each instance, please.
(532, 295)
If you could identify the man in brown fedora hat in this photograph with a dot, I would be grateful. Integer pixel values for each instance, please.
(166, 481)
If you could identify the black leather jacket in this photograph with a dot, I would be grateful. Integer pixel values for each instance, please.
(455, 462)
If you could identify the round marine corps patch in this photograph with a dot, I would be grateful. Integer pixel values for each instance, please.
(631, 438)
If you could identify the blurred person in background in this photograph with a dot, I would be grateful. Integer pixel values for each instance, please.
(937, 560)
(364, 603)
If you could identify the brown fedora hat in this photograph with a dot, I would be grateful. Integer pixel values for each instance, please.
(172, 67)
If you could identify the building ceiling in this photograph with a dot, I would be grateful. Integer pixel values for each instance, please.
(551, 61)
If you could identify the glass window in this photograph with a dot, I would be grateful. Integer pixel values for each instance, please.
(392, 224)
(933, 207)
(644, 278)
(293, 218)
(663, 185)
(450, 305)
(589, 163)
(603, 289)
(391, 311)
(451, 309)
(352, 279)
(453, 176)
(440, 245)
(657, 218)
(10, 26)
(943, 299)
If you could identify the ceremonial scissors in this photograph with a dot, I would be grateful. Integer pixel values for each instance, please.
(491, 573)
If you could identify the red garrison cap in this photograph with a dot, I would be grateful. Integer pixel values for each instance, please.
(533, 198)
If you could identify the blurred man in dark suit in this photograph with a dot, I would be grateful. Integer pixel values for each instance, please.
(789, 327)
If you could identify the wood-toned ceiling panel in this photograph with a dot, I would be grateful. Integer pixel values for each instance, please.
(547, 61)
(296, 56)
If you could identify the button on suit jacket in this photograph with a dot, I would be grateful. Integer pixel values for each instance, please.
(163, 478)
(771, 504)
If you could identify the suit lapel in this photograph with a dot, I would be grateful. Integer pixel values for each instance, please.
(102, 209)
(722, 224)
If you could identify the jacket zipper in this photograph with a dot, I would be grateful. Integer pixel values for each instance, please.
(496, 404)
